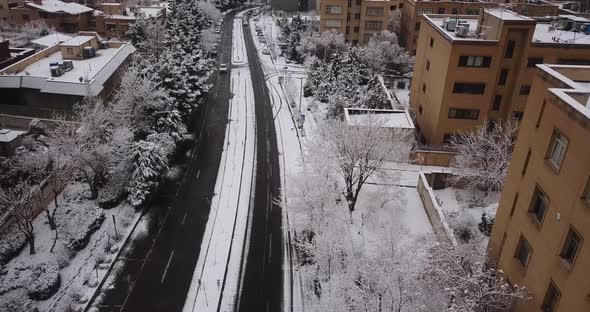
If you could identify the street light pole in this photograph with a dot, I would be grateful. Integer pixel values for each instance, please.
(300, 92)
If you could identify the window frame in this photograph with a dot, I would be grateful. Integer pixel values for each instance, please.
(463, 113)
(497, 103)
(557, 137)
(571, 233)
(332, 25)
(554, 290)
(533, 209)
(329, 9)
(522, 241)
(469, 88)
(369, 9)
(510, 47)
(475, 61)
(525, 89)
(369, 25)
(503, 78)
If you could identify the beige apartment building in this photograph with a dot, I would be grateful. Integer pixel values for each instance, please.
(357, 19)
(539, 238)
(470, 69)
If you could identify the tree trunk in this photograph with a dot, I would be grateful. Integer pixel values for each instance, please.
(31, 243)
(50, 219)
(54, 241)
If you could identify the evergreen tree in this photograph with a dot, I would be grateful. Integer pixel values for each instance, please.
(149, 164)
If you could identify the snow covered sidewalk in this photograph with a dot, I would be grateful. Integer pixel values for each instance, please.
(216, 277)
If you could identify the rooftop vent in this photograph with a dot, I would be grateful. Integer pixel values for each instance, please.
(462, 30)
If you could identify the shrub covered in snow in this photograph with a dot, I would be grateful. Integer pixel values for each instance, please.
(149, 163)
(11, 243)
(78, 221)
(15, 301)
(38, 275)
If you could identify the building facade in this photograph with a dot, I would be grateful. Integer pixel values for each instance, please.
(542, 225)
(471, 69)
(358, 20)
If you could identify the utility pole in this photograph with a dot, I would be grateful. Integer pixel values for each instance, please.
(300, 92)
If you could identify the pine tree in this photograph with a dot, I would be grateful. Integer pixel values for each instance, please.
(149, 164)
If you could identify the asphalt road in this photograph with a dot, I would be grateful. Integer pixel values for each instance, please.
(263, 279)
(156, 270)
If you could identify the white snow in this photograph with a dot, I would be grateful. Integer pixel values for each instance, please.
(51, 40)
(7, 135)
(56, 6)
(383, 117)
(77, 41)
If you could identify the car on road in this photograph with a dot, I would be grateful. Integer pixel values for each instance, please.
(256, 19)
(266, 52)
(222, 68)
(217, 30)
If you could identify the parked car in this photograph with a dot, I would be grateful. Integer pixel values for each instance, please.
(266, 52)
(262, 40)
(222, 68)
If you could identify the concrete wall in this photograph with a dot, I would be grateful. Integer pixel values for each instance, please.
(433, 209)
(431, 158)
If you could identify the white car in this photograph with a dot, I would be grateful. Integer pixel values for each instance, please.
(222, 68)
(266, 52)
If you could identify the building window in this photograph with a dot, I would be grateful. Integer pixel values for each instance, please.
(417, 26)
(423, 11)
(70, 51)
(333, 10)
(431, 42)
(469, 88)
(427, 65)
(357, 16)
(356, 29)
(551, 298)
(586, 194)
(525, 89)
(523, 251)
(373, 25)
(509, 49)
(447, 138)
(557, 148)
(441, 10)
(358, 2)
(455, 11)
(532, 61)
(540, 114)
(517, 115)
(514, 202)
(571, 246)
(474, 61)
(348, 17)
(334, 23)
(392, 7)
(347, 30)
(497, 102)
(503, 77)
(461, 113)
(526, 162)
(350, 3)
(355, 42)
(420, 109)
(374, 11)
(401, 5)
(539, 204)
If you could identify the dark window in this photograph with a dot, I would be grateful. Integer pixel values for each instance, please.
(401, 5)
(586, 194)
(350, 3)
(523, 251)
(557, 148)
(357, 16)
(441, 10)
(497, 103)
(423, 87)
(514, 202)
(509, 49)
(571, 246)
(470, 88)
(474, 61)
(526, 162)
(358, 2)
(347, 30)
(517, 115)
(427, 65)
(525, 89)
(460, 113)
(393, 8)
(356, 29)
(503, 77)
(347, 16)
(431, 42)
(455, 11)
(532, 61)
(539, 204)
(540, 115)
(420, 109)
(355, 42)
(417, 27)
(551, 298)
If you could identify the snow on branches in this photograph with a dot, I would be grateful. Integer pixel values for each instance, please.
(483, 155)
(149, 163)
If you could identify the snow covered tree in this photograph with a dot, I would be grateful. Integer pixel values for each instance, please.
(209, 11)
(354, 153)
(373, 95)
(149, 164)
(19, 200)
(472, 283)
(291, 34)
(394, 21)
(483, 155)
(325, 46)
(209, 39)
(383, 52)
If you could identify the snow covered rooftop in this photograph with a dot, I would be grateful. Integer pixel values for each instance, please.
(87, 77)
(545, 34)
(51, 40)
(56, 6)
(577, 80)
(507, 15)
(386, 118)
(7, 135)
(77, 41)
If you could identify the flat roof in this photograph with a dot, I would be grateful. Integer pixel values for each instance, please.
(387, 118)
(8, 135)
(577, 80)
(77, 41)
(51, 40)
(56, 6)
(507, 15)
(87, 76)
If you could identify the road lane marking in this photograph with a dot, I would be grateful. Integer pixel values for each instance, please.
(198, 173)
(183, 218)
(167, 266)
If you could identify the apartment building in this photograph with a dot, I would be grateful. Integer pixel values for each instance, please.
(357, 19)
(67, 17)
(470, 69)
(115, 19)
(540, 236)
